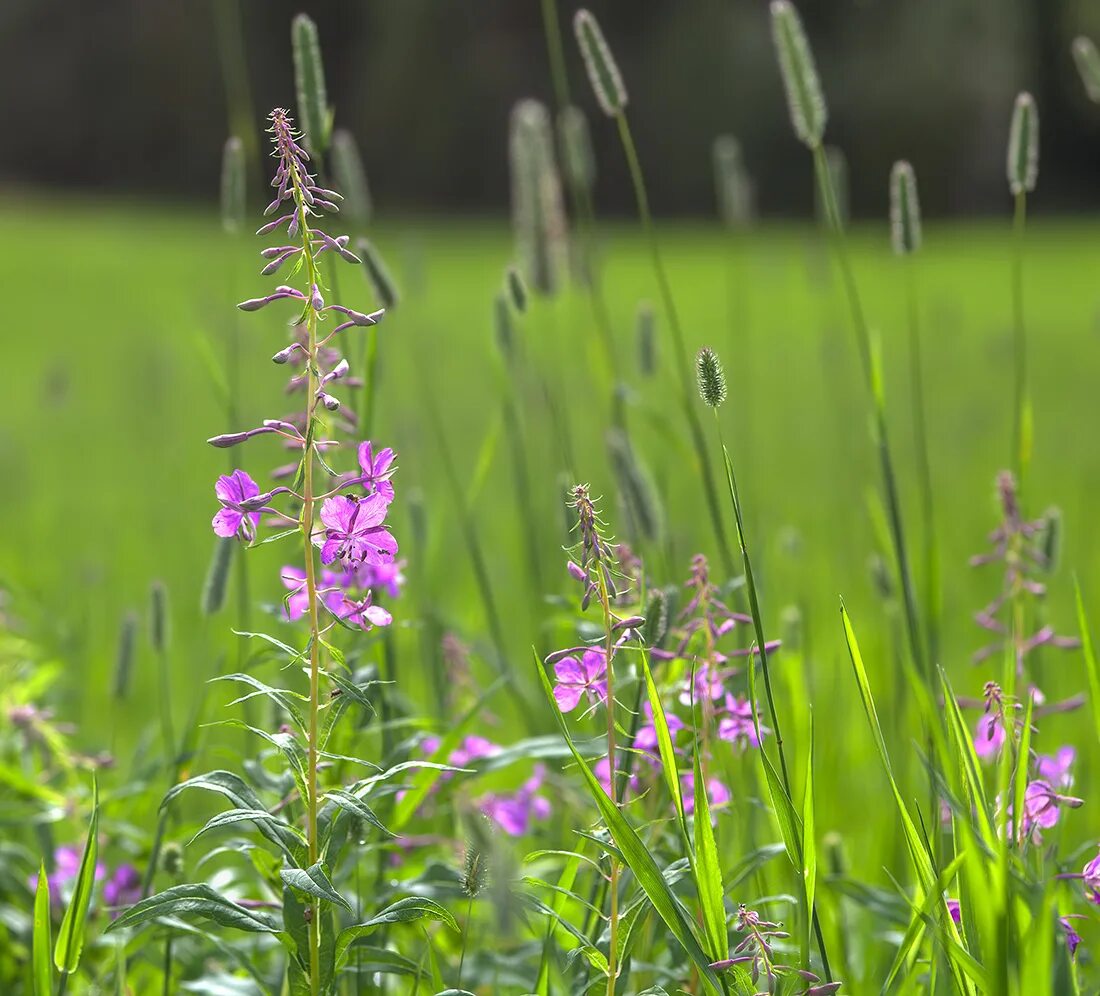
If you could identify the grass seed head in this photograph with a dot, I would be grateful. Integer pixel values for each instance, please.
(217, 576)
(578, 159)
(309, 79)
(805, 101)
(233, 185)
(124, 656)
(351, 178)
(1023, 146)
(159, 634)
(1088, 66)
(517, 289)
(647, 339)
(732, 184)
(378, 274)
(711, 377)
(905, 227)
(503, 327)
(656, 618)
(603, 73)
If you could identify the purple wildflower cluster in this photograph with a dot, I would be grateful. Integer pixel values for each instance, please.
(357, 548)
(121, 888)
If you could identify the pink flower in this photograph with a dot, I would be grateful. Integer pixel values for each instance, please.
(989, 736)
(514, 813)
(354, 531)
(717, 792)
(736, 725)
(581, 677)
(377, 469)
(236, 516)
(1056, 768)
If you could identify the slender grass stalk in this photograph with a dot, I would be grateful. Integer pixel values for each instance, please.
(695, 427)
(712, 388)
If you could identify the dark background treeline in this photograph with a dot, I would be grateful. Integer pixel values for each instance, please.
(130, 96)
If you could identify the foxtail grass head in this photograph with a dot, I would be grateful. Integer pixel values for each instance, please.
(732, 184)
(1087, 60)
(603, 72)
(578, 159)
(905, 227)
(159, 634)
(309, 78)
(517, 289)
(378, 274)
(351, 178)
(711, 377)
(647, 339)
(805, 100)
(538, 215)
(233, 185)
(1023, 146)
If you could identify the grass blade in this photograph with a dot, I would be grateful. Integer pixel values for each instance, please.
(70, 937)
(43, 969)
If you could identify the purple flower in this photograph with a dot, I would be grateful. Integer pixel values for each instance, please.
(233, 491)
(329, 593)
(66, 866)
(646, 738)
(1091, 876)
(602, 771)
(390, 578)
(708, 683)
(377, 470)
(1056, 768)
(363, 612)
(354, 531)
(1042, 803)
(955, 910)
(123, 888)
(1073, 939)
(472, 749)
(736, 725)
(989, 736)
(717, 792)
(581, 677)
(514, 813)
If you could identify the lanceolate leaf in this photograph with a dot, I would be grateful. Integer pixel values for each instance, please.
(708, 871)
(314, 881)
(635, 854)
(196, 899)
(43, 969)
(403, 911)
(70, 937)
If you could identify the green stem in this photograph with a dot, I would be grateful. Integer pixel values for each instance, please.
(613, 885)
(695, 427)
(762, 648)
(1021, 431)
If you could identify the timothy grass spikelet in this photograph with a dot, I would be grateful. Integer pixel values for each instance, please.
(538, 215)
(351, 178)
(656, 618)
(805, 101)
(503, 327)
(603, 72)
(637, 494)
(217, 576)
(905, 226)
(476, 861)
(578, 159)
(1052, 539)
(124, 656)
(731, 182)
(159, 632)
(378, 274)
(233, 186)
(1087, 60)
(517, 289)
(309, 79)
(647, 339)
(1023, 146)
(712, 379)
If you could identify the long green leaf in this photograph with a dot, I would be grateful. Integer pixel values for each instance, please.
(708, 870)
(196, 899)
(70, 937)
(809, 844)
(42, 942)
(635, 853)
(314, 881)
(407, 910)
(1091, 667)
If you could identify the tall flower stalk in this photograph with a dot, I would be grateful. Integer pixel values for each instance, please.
(607, 84)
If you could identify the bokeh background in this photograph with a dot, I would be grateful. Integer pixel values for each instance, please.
(132, 97)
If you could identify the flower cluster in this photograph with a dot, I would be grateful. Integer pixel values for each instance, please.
(121, 888)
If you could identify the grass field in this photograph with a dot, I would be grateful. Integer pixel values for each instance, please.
(114, 313)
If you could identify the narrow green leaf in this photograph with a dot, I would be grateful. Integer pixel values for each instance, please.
(635, 853)
(42, 942)
(405, 910)
(809, 844)
(70, 937)
(708, 870)
(314, 881)
(664, 744)
(1092, 669)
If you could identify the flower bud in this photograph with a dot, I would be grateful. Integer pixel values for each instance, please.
(905, 227)
(603, 73)
(309, 78)
(1023, 146)
(805, 101)
(712, 379)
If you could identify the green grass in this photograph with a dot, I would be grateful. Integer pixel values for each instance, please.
(108, 481)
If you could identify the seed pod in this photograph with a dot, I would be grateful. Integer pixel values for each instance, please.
(1088, 65)
(309, 79)
(217, 574)
(1023, 146)
(905, 227)
(647, 339)
(578, 159)
(805, 101)
(837, 165)
(1052, 539)
(233, 185)
(712, 379)
(538, 216)
(656, 618)
(378, 274)
(731, 183)
(124, 657)
(517, 289)
(503, 329)
(351, 178)
(603, 73)
(638, 497)
(159, 633)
